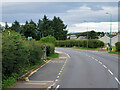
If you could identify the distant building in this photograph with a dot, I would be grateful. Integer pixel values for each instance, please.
(115, 39)
(106, 39)
(81, 37)
(73, 37)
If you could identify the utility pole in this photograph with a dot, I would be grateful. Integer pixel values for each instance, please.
(110, 29)
(87, 32)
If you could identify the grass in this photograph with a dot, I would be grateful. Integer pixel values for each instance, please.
(13, 79)
(114, 51)
(55, 55)
(82, 48)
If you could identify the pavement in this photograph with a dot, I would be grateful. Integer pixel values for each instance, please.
(76, 68)
(46, 76)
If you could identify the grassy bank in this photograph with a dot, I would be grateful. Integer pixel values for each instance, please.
(13, 79)
(114, 51)
(81, 48)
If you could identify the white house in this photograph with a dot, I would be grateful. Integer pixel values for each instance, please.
(106, 39)
(115, 40)
(73, 37)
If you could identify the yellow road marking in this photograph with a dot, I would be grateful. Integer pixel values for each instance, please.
(56, 80)
(36, 83)
(57, 76)
(59, 73)
(41, 81)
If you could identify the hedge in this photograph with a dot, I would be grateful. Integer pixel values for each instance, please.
(118, 46)
(19, 53)
(92, 43)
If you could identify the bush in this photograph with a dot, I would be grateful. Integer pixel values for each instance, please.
(48, 39)
(92, 43)
(118, 46)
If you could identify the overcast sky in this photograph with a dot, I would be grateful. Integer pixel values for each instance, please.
(72, 13)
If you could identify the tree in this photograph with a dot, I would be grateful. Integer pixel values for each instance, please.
(15, 26)
(92, 35)
(29, 31)
(59, 29)
(46, 26)
(6, 25)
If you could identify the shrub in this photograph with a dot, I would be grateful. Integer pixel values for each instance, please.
(92, 43)
(118, 46)
(48, 39)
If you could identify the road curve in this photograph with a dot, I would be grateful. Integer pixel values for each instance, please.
(89, 69)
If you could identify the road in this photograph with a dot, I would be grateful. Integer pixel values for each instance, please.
(76, 68)
(89, 69)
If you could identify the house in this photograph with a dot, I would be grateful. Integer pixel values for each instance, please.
(81, 37)
(73, 37)
(115, 40)
(106, 39)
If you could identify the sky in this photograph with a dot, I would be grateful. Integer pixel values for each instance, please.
(74, 14)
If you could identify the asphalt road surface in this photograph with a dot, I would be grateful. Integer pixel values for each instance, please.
(76, 68)
(89, 69)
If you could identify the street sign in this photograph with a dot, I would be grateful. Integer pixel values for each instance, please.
(29, 38)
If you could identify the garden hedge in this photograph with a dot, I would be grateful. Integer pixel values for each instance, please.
(19, 53)
(92, 43)
(118, 46)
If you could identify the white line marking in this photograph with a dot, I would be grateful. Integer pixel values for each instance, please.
(104, 66)
(110, 71)
(96, 60)
(100, 62)
(117, 80)
(92, 57)
(57, 87)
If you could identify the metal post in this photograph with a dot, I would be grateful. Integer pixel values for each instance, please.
(87, 36)
(110, 31)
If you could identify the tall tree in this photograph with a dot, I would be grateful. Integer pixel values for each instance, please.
(59, 29)
(15, 26)
(6, 25)
(92, 35)
(46, 26)
(29, 31)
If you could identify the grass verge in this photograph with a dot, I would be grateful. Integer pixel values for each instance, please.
(81, 48)
(13, 79)
(55, 55)
(113, 52)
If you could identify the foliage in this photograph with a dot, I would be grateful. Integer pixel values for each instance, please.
(18, 53)
(92, 43)
(43, 28)
(118, 46)
(48, 39)
(15, 26)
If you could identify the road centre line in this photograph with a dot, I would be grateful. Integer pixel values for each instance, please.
(104, 66)
(110, 71)
(117, 80)
(57, 87)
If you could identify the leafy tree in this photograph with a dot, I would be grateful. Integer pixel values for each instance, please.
(6, 25)
(48, 39)
(46, 26)
(59, 29)
(15, 26)
(29, 30)
(92, 35)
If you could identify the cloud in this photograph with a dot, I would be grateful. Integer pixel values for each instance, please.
(98, 27)
(71, 13)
